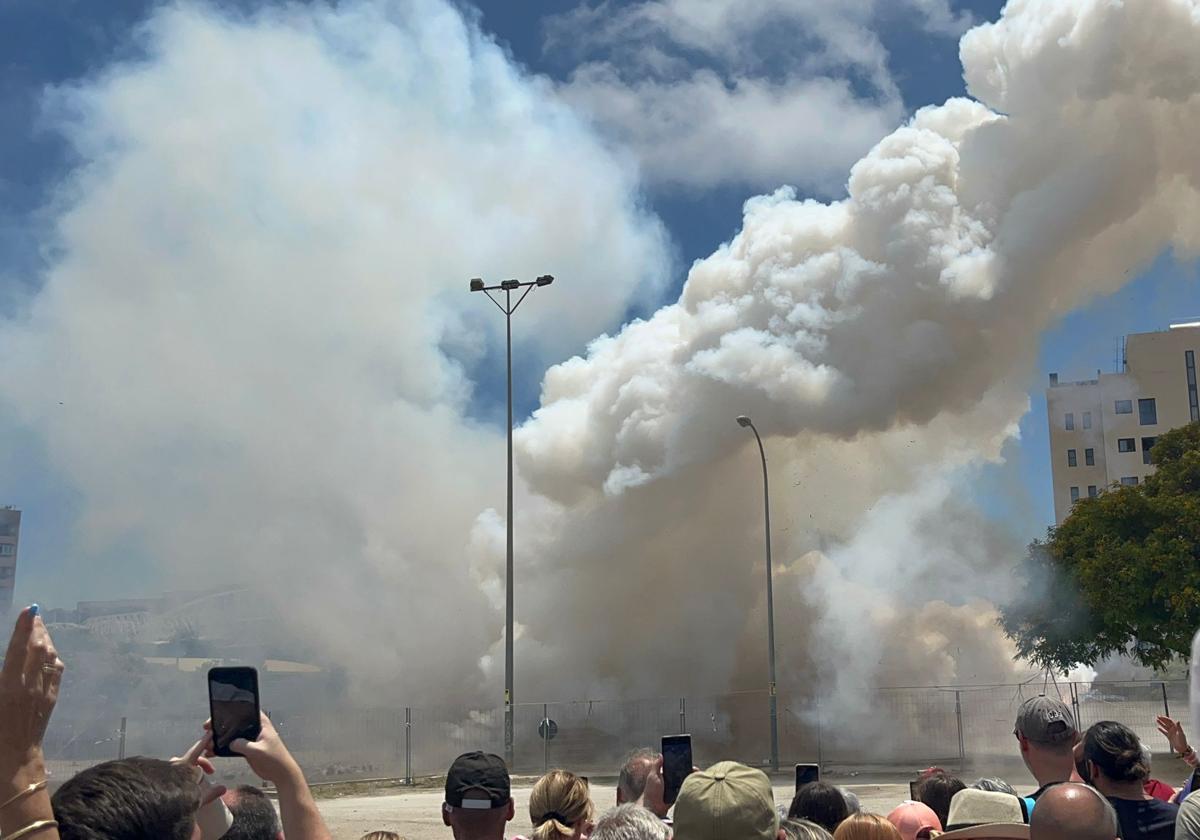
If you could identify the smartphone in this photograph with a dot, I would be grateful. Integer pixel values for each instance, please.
(913, 787)
(807, 774)
(677, 764)
(233, 705)
(1195, 791)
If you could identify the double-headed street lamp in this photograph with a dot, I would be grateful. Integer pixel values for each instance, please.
(508, 308)
(746, 422)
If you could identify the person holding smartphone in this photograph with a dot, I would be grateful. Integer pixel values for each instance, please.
(270, 760)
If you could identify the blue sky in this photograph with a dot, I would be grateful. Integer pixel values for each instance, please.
(46, 43)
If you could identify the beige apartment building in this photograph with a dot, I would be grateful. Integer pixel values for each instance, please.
(1102, 429)
(10, 532)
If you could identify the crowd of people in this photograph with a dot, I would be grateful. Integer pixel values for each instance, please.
(1092, 785)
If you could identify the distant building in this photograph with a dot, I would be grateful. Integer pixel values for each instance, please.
(10, 533)
(1102, 429)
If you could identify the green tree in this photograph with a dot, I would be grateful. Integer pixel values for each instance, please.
(1121, 574)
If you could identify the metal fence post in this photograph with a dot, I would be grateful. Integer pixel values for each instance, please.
(820, 757)
(408, 779)
(121, 742)
(1166, 706)
(962, 752)
(545, 727)
(682, 715)
(1075, 705)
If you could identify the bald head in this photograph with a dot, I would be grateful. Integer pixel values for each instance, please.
(1072, 811)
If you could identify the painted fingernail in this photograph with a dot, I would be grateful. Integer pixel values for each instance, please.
(34, 609)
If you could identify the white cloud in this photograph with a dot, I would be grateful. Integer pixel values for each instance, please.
(752, 93)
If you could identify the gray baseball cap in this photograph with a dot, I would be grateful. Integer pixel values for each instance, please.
(1045, 720)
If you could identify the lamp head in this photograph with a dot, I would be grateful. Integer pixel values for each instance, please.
(476, 285)
(743, 421)
(545, 280)
(510, 284)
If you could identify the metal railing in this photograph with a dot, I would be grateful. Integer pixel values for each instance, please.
(903, 727)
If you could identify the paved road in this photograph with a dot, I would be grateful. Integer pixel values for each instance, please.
(416, 815)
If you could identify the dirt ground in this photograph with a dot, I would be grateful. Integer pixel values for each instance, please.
(416, 814)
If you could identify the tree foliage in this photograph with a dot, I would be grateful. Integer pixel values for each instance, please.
(1121, 574)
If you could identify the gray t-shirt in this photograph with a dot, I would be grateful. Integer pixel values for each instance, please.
(1187, 826)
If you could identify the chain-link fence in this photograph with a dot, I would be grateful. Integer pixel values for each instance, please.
(900, 726)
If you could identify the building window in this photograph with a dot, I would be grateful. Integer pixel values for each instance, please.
(1124, 444)
(1129, 480)
(1072, 461)
(1147, 412)
(1123, 407)
(6, 572)
(1147, 444)
(1091, 491)
(1193, 403)
(1089, 457)
(7, 550)
(1074, 495)
(1070, 422)
(1087, 419)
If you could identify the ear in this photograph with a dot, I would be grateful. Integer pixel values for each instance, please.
(1023, 741)
(512, 810)
(620, 797)
(781, 835)
(445, 814)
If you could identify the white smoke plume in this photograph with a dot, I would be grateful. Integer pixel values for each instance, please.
(878, 341)
(248, 355)
(255, 327)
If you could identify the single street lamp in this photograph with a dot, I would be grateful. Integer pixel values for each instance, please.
(508, 308)
(746, 423)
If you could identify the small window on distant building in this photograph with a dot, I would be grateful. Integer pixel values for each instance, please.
(1072, 461)
(1091, 491)
(6, 572)
(1070, 422)
(1074, 495)
(1089, 457)
(1129, 480)
(1189, 359)
(1124, 444)
(1087, 419)
(1147, 412)
(1147, 445)
(7, 550)
(1123, 407)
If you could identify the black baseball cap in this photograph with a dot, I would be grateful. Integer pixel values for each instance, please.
(477, 780)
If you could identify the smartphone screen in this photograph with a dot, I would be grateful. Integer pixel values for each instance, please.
(913, 787)
(677, 764)
(233, 705)
(807, 774)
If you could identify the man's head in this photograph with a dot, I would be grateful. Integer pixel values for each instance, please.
(985, 814)
(478, 797)
(254, 816)
(726, 801)
(937, 790)
(1114, 755)
(821, 803)
(1072, 811)
(632, 780)
(131, 799)
(630, 822)
(1045, 728)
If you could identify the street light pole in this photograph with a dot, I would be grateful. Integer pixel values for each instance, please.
(746, 422)
(508, 308)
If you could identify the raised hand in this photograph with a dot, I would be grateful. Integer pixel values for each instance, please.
(1172, 730)
(29, 683)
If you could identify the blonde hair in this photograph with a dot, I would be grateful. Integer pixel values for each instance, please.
(381, 835)
(558, 804)
(867, 827)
